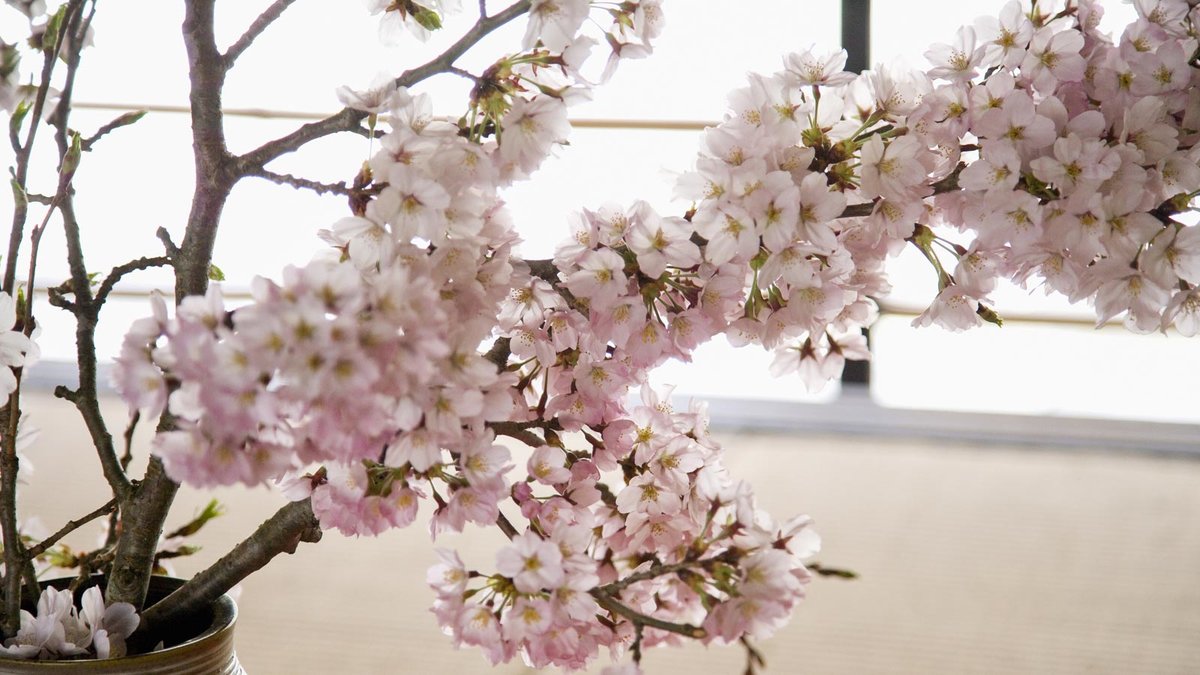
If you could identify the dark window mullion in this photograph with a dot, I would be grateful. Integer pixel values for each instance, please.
(856, 40)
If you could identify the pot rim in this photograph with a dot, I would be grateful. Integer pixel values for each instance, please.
(220, 628)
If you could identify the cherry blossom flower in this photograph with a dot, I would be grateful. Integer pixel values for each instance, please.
(531, 562)
(554, 23)
(957, 62)
(807, 68)
(14, 345)
(59, 630)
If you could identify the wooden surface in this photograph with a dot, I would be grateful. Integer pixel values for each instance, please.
(972, 560)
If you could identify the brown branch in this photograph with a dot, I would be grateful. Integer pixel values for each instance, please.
(613, 605)
(143, 512)
(85, 398)
(169, 246)
(13, 558)
(543, 269)
(24, 151)
(349, 119)
(119, 271)
(339, 188)
(256, 28)
(516, 431)
(70, 527)
(215, 174)
(127, 457)
(506, 526)
(858, 210)
(281, 533)
(121, 121)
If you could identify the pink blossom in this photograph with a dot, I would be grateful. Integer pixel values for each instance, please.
(531, 562)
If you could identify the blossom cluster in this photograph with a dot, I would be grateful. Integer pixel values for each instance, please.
(680, 541)
(1035, 148)
(60, 631)
(368, 363)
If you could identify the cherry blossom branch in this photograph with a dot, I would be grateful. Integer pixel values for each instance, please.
(144, 509)
(119, 271)
(215, 167)
(754, 657)
(24, 150)
(517, 432)
(269, 15)
(71, 525)
(13, 557)
(947, 184)
(339, 188)
(281, 533)
(506, 526)
(499, 353)
(85, 395)
(349, 119)
(609, 602)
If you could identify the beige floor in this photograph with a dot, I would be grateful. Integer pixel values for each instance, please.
(973, 560)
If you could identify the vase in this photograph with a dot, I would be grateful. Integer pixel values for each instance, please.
(202, 645)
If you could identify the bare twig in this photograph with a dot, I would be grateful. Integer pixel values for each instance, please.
(506, 526)
(169, 246)
(127, 457)
(754, 657)
(120, 121)
(339, 188)
(13, 554)
(85, 398)
(826, 571)
(24, 150)
(119, 271)
(269, 15)
(70, 527)
(516, 432)
(464, 74)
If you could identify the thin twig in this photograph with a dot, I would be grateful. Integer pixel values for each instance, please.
(70, 527)
(464, 74)
(110, 281)
(506, 526)
(129, 430)
(348, 118)
(85, 353)
(24, 150)
(339, 188)
(169, 246)
(256, 28)
(120, 121)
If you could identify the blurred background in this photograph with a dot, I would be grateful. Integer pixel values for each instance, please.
(1016, 499)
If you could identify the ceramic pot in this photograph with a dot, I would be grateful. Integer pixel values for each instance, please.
(200, 646)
